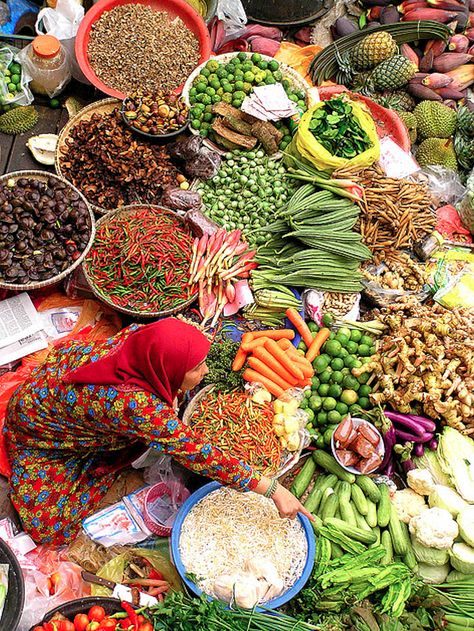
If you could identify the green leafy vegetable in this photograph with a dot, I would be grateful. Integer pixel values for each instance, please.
(219, 362)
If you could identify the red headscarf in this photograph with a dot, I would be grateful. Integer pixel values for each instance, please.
(154, 358)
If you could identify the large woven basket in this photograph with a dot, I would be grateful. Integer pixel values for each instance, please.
(99, 107)
(289, 459)
(120, 212)
(43, 176)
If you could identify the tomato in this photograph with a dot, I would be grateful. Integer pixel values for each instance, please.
(96, 613)
(80, 622)
(108, 623)
(38, 629)
(66, 625)
(141, 618)
(145, 626)
(125, 623)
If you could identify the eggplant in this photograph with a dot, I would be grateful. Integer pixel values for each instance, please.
(433, 444)
(389, 440)
(412, 421)
(406, 436)
(419, 450)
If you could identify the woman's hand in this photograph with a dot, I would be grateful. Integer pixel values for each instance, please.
(288, 505)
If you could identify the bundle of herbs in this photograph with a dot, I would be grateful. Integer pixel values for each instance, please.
(219, 362)
(337, 130)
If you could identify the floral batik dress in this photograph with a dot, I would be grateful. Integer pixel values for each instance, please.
(66, 442)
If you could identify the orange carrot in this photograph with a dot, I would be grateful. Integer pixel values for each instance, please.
(255, 377)
(287, 363)
(305, 367)
(284, 344)
(300, 325)
(306, 382)
(239, 359)
(246, 338)
(249, 347)
(263, 355)
(275, 334)
(313, 351)
(267, 372)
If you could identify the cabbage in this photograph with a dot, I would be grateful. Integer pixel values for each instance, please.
(444, 497)
(433, 574)
(456, 457)
(454, 575)
(466, 525)
(429, 556)
(462, 558)
(429, 460)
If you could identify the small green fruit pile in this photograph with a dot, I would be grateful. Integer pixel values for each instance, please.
(335, 391)
(10, 77)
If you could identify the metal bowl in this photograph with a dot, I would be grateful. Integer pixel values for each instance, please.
(158, 138)
(15, 599)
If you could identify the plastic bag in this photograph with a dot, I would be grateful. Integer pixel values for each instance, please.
(444, 184)
(381, 297)
(63, 22)
(180, 200)
(452, 274)
(449, 224)
(466, 204)
(50, 581)
(317, 303)
(115, 569)
(305, 146)
(200, 161)
(23, 96)
(167, 495)
(232, 14)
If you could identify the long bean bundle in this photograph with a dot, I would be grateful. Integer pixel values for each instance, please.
(238, 427)
(141, 260)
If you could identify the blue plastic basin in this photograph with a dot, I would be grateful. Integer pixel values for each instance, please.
(176, 533)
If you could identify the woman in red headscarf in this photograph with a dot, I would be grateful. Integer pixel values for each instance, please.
(88, 411)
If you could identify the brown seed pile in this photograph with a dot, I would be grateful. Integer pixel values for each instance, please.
(132, 47)
(111, 166)
(395, 213)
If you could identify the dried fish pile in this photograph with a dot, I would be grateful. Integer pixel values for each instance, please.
(395, 212)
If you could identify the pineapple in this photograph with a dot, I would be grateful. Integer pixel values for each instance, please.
(392, 73)
(372, 50)
(465, 122)
(397, 100)
(464, 148)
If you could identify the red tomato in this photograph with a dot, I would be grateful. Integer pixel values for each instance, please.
(141, 618)
(80, 622)
(145, 626)
(125, 623)
(96, 613)
(38, 629)
(66, 625)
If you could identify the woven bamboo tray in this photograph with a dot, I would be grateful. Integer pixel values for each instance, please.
(44, 177)
(290, 458)
(99, 107)
(288, 73)
(120, 212)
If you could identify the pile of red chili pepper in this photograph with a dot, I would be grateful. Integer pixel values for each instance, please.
(239, 428)
(140, 260)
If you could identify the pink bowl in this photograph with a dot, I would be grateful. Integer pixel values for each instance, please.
(155, 492)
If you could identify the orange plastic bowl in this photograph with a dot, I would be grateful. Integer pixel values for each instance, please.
(179, 8)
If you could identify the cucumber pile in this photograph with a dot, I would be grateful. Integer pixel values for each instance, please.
(352, 509)
(335, 391)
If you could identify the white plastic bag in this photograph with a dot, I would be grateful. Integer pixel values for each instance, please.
(23, 96)
(232, 13)
(63, 22)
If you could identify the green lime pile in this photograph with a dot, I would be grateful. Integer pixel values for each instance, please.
(231, 82)
(11, 78)
(334, 389)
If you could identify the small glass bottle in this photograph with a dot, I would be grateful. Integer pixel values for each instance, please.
(430, 244)
(49, 67)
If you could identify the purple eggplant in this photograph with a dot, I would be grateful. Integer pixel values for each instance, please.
(406, 436)
(433, 444)
(389, 440)
(419, 449)
(389, 469)
(408, 465)
(416, 424)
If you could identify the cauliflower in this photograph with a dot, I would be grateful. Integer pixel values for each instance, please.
(434, 528)
(408, 504)
(421, 481)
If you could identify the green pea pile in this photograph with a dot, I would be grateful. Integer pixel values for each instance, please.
(246, 192)
(11, 77)
(231, 82)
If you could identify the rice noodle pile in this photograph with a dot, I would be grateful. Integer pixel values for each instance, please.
(226, 527)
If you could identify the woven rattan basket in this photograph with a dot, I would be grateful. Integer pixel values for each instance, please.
(99, 107)
(44, 176)
(120, 212)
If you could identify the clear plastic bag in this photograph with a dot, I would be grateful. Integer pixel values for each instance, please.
(444, 184)
(317, 303)
(199, 161)
(23, 96)
(232, 14)
(168, 493)
(180, 200)
(381, 297)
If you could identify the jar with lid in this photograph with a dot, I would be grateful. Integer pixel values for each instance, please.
(428, 246)
(48, 65)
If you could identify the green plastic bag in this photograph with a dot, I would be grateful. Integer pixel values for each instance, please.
(305, 147)
(115, 568)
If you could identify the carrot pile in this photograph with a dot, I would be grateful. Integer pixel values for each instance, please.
(272, 359)
(240, 428)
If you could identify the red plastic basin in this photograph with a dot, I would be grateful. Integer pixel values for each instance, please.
(179, 8)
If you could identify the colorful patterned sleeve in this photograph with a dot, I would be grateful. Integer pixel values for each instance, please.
(143, 416)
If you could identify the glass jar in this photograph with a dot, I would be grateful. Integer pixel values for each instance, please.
(49, 65)
(430, 244)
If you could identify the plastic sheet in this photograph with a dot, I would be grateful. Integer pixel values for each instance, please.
(180, 200)
(199, 161)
